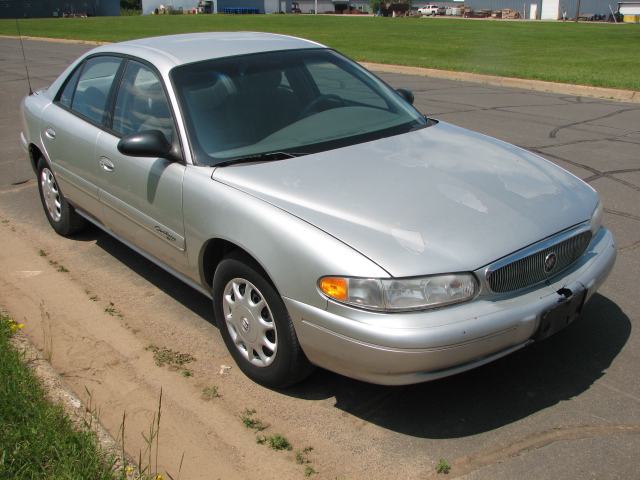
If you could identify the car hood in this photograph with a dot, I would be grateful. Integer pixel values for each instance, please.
(440, 199)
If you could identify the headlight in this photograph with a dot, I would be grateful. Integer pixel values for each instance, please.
(595, 222)
(400, 294)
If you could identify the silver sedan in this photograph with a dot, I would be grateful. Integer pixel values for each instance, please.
(330, 222)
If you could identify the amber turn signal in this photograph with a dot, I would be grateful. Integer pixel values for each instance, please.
(334, 287)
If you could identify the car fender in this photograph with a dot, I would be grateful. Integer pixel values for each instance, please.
(31, 111)
(293, 253)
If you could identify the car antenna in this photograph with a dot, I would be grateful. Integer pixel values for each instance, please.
(24, 57)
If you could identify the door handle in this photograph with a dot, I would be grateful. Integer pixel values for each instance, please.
(106, 164)
(50, 133)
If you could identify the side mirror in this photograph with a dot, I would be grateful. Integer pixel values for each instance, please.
(149, 143)
(406, 94)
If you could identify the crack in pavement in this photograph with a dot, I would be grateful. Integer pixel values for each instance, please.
(622, 214)
(16, 186)
(620, 181)
(617, 138)
(596, 173)
(554, 132)
(627, 248)
(558, 157)
(611, 172)
(521, 445)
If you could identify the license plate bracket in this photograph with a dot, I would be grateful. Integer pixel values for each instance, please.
(561, 315)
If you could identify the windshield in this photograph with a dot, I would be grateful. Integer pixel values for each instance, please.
(293, 102)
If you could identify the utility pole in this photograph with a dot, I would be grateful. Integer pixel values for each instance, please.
(577, 11)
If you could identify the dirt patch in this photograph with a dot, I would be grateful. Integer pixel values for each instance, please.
(99, 324)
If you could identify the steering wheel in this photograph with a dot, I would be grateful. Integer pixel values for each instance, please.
(316, 105)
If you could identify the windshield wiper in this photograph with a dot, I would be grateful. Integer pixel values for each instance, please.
(259, 157)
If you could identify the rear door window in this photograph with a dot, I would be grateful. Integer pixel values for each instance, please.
(87, 93)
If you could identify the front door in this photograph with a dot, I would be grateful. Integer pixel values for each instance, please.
(142, 197)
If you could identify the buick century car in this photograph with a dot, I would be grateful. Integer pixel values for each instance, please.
(329, 221)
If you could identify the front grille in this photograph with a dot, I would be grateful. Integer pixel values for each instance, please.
(531, 269)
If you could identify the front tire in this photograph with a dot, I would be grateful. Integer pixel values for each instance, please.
(61, 215)
(255, 325)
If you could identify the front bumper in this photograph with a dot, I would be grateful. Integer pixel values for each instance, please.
(405, 348)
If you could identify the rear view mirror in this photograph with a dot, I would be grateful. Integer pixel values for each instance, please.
(406, 94)
(148, 143)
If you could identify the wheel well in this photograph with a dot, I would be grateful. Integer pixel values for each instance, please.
(34, 156)
(216, 250)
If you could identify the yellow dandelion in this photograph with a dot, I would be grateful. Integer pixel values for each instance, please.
(10, 320)
(13, 327)
(159, 477)
(21, 325)
(128, 469)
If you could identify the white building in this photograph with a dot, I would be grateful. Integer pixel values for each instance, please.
(217, 6)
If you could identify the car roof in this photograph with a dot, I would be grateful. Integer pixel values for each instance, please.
(171, 50)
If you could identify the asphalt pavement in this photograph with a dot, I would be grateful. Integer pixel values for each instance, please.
(568, 407)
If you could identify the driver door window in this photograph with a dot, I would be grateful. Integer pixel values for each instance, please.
(141, 103)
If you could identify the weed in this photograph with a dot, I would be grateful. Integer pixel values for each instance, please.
(164, 356)
(150, 464)
(210, 392)
(308, 471)
(92, 409)
(94, 298)
(300, 456)
(60, 268)
(150, 439)
(443, 467)
(113, 311)
(278, 442)
(187, 373)
(133, 330)
(5, 221)
(250, 422)
(42, 253)
(13, 326)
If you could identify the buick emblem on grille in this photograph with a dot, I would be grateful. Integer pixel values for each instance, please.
(550, 262)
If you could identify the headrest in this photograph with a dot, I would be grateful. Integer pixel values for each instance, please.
(265, 80)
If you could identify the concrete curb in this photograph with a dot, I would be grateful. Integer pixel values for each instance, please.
(81, 417)
(563, 88)
(59, 40)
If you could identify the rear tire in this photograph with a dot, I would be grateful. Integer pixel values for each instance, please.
(256, 326)
(61, 215)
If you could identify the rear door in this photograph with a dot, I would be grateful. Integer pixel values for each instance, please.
(71, 126)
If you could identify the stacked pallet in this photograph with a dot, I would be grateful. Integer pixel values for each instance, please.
(511, 14)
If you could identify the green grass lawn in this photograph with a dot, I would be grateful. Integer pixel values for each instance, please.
(37, 440)
(582, 53)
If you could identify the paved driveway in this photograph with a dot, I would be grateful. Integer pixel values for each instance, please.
(568, 407)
